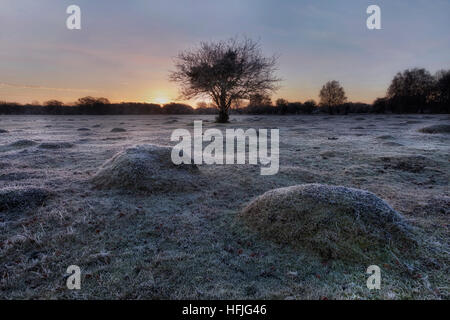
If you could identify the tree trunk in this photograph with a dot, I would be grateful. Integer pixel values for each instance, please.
(223, 115)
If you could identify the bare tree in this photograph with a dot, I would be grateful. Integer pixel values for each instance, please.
(332, 95)
(225, 71)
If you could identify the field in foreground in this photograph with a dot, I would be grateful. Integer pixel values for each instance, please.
(191, 244)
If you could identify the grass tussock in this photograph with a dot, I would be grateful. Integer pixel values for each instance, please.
(145, 168)
(21, 197)
(56, 145)
(438, 128)
(118, 130)
(334, 222)
(23, 143)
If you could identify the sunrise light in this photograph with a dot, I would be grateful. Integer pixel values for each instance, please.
(160, 100)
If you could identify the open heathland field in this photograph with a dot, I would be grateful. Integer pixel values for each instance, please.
(99, 192)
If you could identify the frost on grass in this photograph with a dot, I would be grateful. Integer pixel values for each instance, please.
(22, 197)
(334, 222)
(392, 144)
(438, 128)
(146, 168)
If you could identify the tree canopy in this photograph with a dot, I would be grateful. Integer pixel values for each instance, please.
(410, 89)
(332, 94)
(225, 72)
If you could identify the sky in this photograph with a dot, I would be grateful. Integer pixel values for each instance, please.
(125, 49)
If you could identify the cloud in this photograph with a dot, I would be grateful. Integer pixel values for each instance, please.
(36, 87)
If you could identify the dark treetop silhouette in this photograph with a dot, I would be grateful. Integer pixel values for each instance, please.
(332, 95)
(412, 89)
(225, 71)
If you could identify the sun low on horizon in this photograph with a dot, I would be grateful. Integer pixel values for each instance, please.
(160, 100)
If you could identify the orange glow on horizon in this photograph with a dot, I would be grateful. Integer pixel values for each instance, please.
(160, 100)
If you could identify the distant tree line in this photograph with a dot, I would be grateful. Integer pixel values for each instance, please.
(281, 107)
(95, 106)
(411, 91)
(416, 91)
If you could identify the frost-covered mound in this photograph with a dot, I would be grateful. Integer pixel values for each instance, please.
(118, 130)
(22, 197)
(56, 145)
(438, 128)
(146, 168)
(334, 222)
(22, 144)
